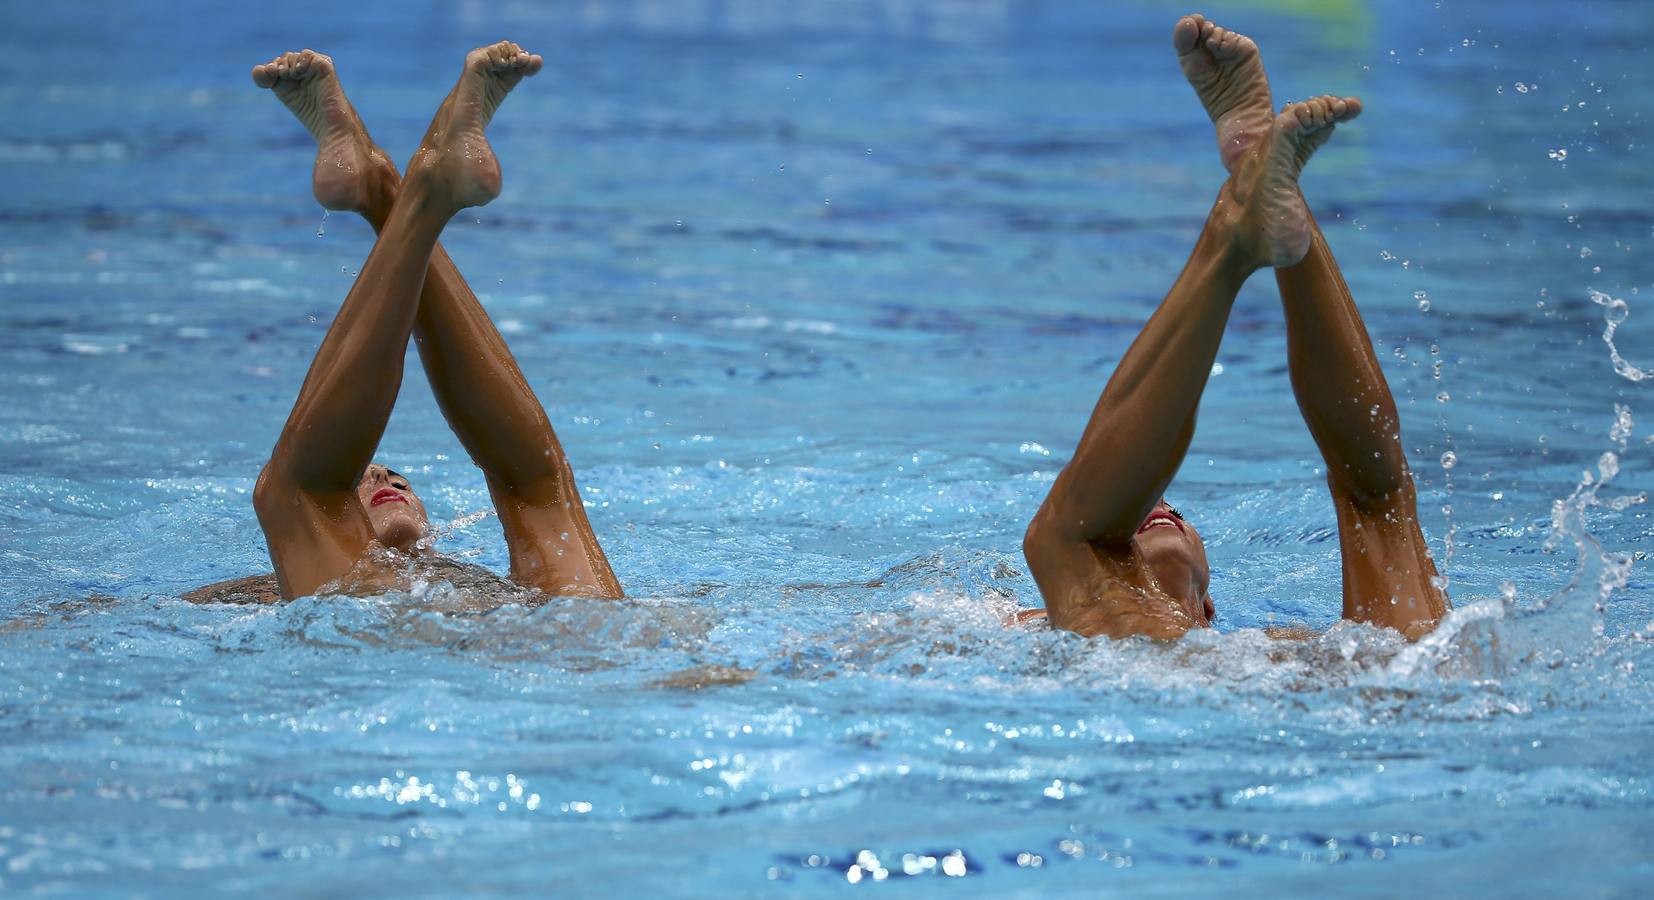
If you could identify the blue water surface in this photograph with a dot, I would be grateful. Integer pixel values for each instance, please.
(819, 296)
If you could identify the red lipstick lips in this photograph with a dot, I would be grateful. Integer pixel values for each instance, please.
(387, 495)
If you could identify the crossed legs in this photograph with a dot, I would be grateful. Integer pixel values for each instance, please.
(1389, 578)
(478, 385)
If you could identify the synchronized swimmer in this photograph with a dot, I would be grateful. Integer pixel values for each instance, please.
(1109, 555)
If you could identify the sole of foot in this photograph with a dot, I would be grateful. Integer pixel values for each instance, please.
(1226, 71)
(346, 158)
(1266, 181)
(455, 154)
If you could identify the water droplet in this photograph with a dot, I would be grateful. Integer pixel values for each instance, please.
(781, 168)
(1521, 88)
(1559, 155)
(321, 230)
(1450, 459)
(1617, 310)
(1443, 397)
(1584, 252)
(1423, 299)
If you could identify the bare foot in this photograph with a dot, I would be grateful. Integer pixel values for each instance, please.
(347, 160)
(1265, 181)
(1227, 74)
(455, 154)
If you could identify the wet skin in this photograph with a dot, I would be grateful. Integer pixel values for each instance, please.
(397, 515)
(322, 503)
(1105, 556)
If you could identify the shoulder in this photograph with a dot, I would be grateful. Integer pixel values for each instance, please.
(252, 589)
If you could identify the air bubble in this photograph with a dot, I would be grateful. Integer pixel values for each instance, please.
(1450, 459)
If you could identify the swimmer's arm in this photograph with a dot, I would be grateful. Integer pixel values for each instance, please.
(1142, 424)
(1389, 578)
(251, 589)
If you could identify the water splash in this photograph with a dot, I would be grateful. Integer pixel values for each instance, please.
(1568, 627)
(1615, 311)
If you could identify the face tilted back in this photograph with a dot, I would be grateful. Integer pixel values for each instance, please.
(395, 511)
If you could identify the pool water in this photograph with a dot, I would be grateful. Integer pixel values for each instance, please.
(818, 297)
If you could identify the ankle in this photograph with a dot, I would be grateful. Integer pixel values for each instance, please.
(384, 186)
(421, 189)
(1234, 234)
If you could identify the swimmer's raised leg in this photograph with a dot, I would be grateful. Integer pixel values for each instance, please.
(1389, 578)
(1145, 419)
(306, 83)
(478, 385)
(1227, 74)
(306, 500)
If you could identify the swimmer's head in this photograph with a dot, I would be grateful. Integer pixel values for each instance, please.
(1177, 556)
(397, 516)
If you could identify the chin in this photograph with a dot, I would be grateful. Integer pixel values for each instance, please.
(1170, 546)
(400, 533)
